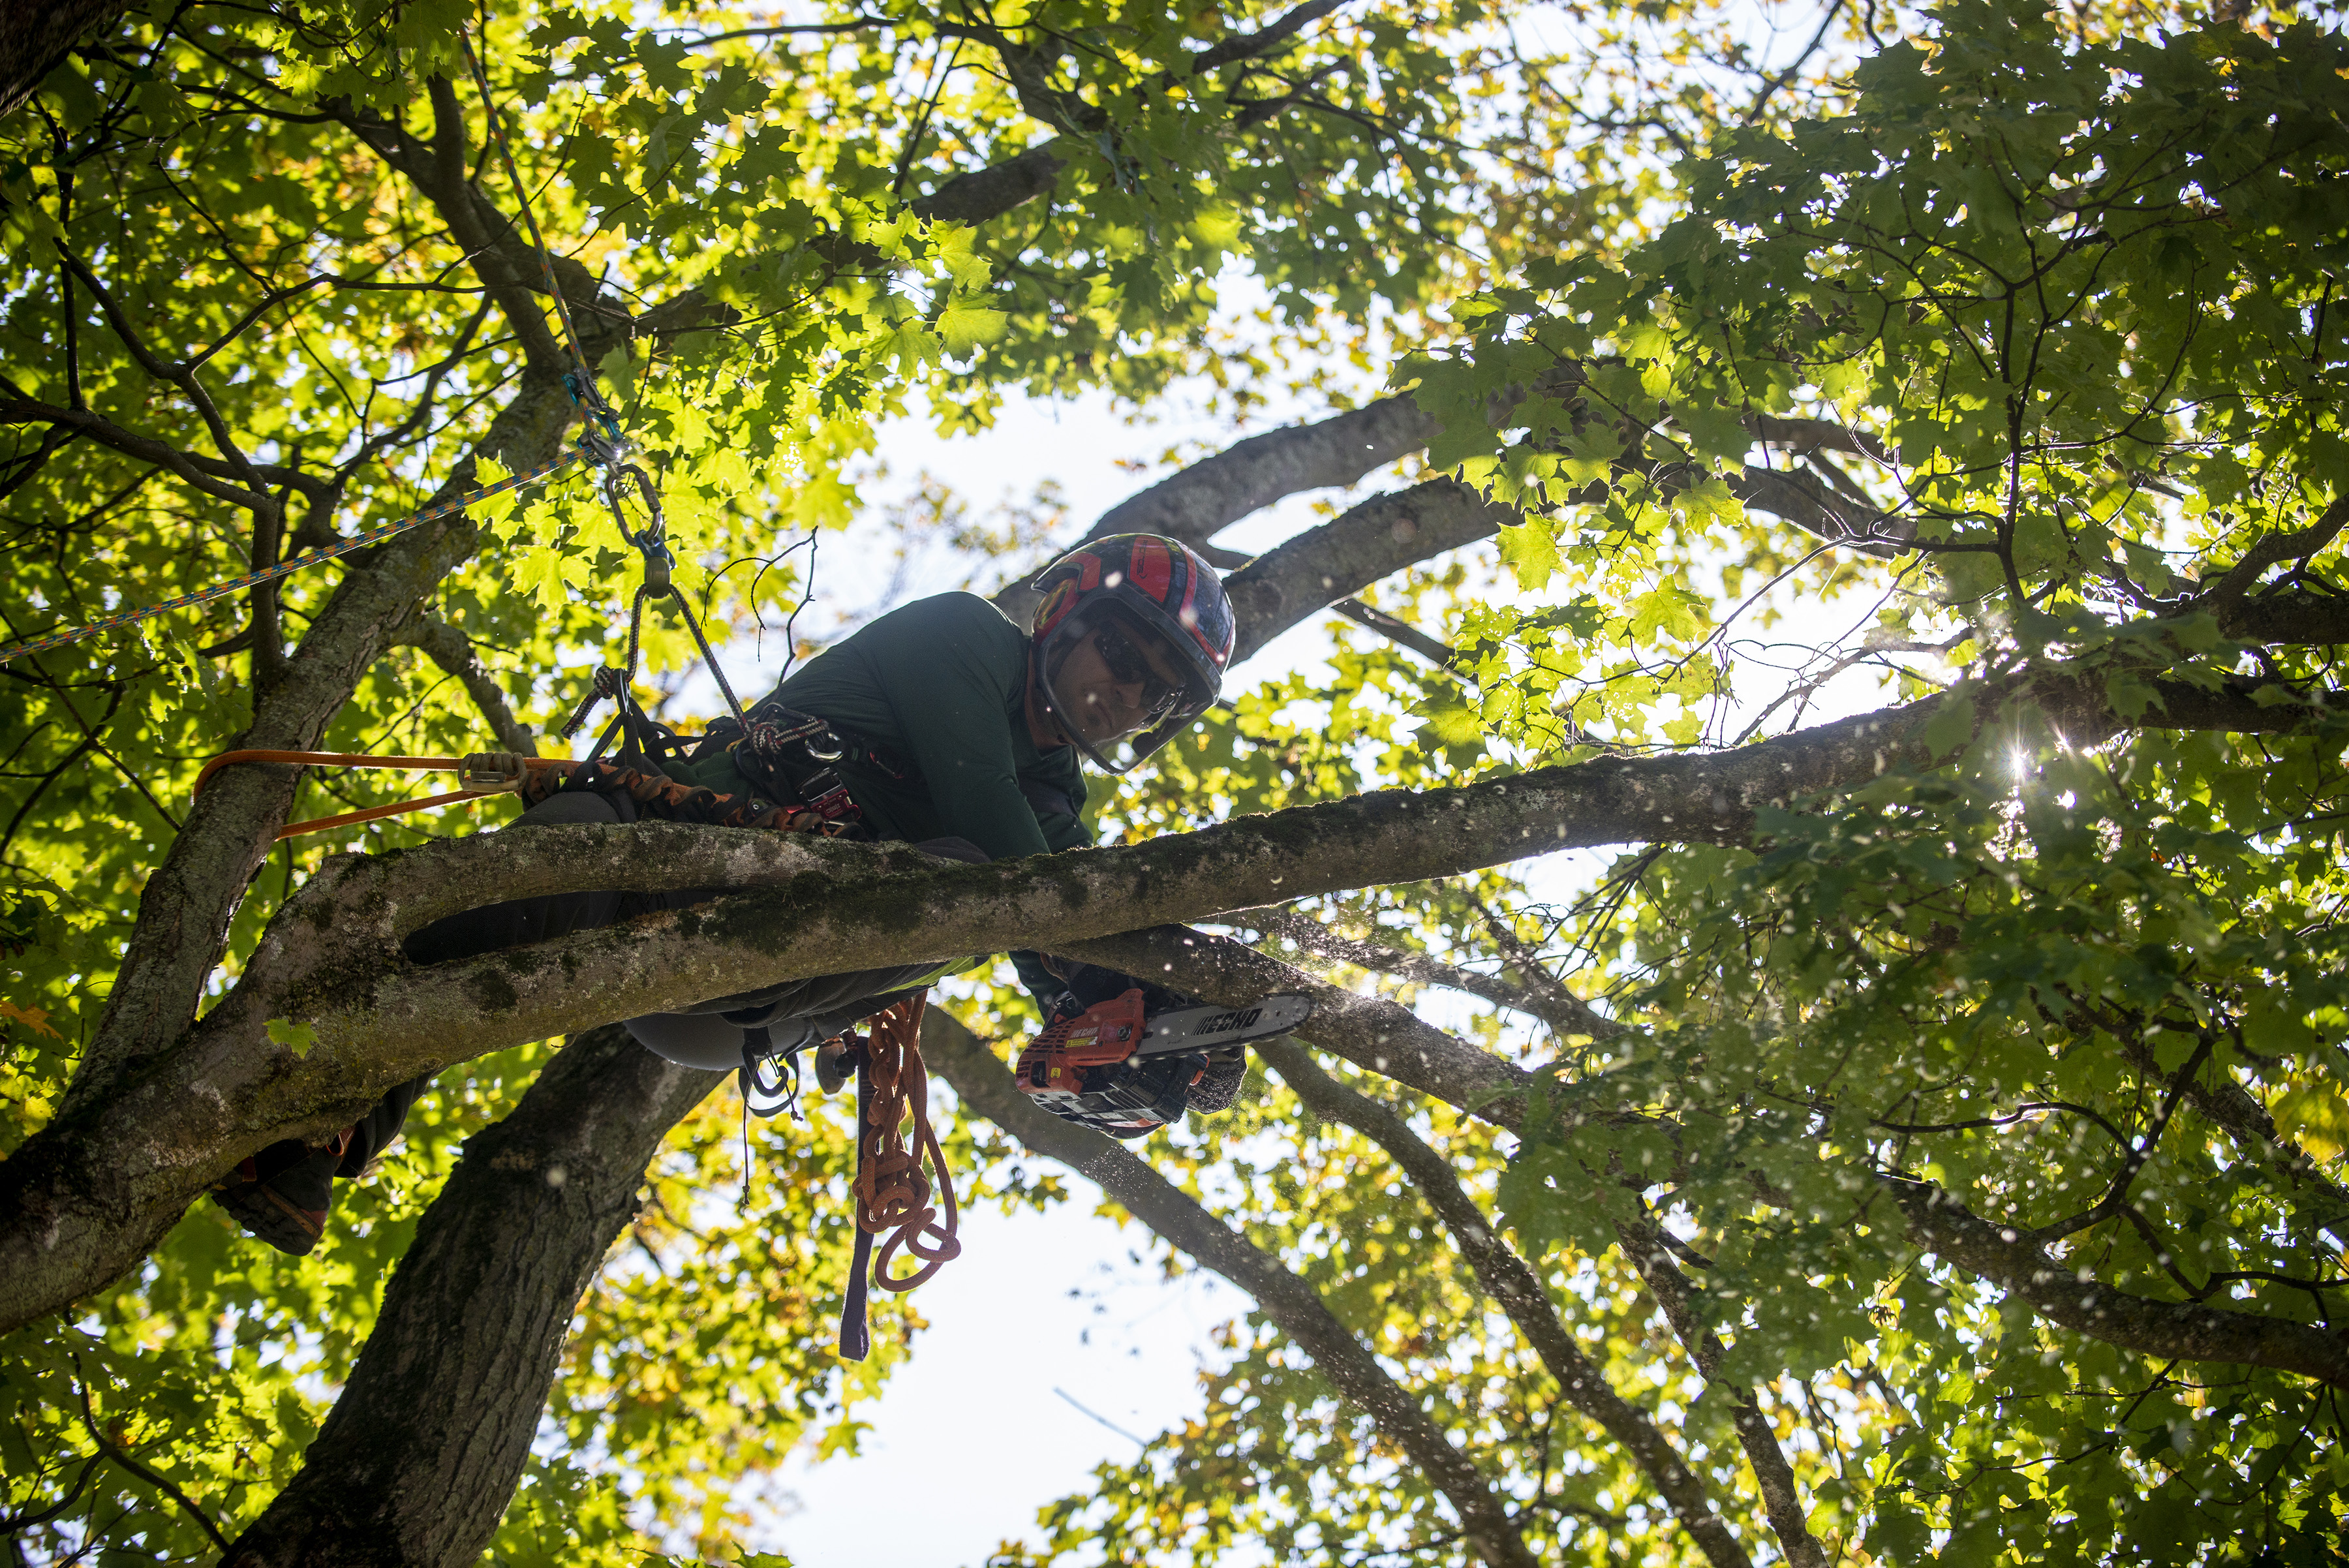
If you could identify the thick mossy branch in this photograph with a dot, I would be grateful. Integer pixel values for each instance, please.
(85, 1198)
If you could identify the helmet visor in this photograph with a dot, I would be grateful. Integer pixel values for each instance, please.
(1116, 689)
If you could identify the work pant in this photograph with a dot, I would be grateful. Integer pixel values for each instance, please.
(710, 1035)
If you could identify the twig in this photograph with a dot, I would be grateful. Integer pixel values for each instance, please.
(24, 1522)
(161, 1483)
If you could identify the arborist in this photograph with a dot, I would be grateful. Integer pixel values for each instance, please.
(940, 724)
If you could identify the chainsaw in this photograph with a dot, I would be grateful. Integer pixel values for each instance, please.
(1118, 1069)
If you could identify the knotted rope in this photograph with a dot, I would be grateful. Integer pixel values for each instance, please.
(892, 1192)
(893, 1195)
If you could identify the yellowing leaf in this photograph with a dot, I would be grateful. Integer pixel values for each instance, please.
(911, 347)
(822, 500)
(1703, 504)
(968, 271)
(33, 1018)
(545, 574)
(1219, 228)
(297, 1038)
(1531, 553)
(2316, 1117)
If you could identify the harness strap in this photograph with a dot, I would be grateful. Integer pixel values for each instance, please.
(855, 1331)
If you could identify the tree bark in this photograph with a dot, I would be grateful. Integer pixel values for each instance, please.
(35, 35)
(1363, 545)
(983, 1085)
(417, 1462)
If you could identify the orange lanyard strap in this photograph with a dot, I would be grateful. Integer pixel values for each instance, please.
(483, 774)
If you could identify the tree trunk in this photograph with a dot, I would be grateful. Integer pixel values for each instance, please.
(35, 35)
(422, 1454)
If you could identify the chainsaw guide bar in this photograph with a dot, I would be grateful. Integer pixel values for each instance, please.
(1212, 1028)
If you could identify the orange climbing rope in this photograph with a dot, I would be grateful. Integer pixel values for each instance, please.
(893, 1194)
(482, 774)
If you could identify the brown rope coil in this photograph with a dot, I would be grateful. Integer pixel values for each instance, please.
(893, 1194)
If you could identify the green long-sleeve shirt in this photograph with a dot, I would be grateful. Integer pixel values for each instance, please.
(938, 687)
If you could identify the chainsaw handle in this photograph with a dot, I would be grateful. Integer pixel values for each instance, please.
(1104, 1033)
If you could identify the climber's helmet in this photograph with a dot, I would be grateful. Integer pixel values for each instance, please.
(1131, 644)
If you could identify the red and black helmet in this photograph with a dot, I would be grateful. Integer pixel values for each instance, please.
(1147, 584)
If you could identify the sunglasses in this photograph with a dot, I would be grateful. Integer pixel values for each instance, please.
(1129, 667)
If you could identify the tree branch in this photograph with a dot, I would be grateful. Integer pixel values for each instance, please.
(184, 911)
(2074, 1299)
(1363, 545)
(1644, 1243)
(983, 1085)
(198, 472)
(1803, 501)
(76, 1207)
(1512, 1284)
(1404, 635)
(2233, 1110)
(454, 653)
(1311, 935)
(1218, 492)
(2297, 546)
(178, 374)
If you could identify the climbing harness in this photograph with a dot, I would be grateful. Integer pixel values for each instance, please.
(289, 568)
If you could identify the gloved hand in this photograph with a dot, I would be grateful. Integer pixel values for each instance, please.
(1090, 985)
(1130, 1096)
(1221, 1085)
